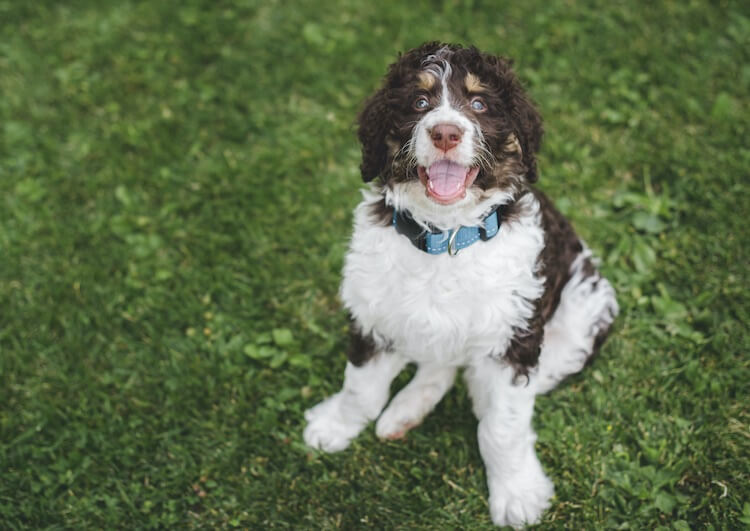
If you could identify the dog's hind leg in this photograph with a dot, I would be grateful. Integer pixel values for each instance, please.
(415, 401)
(579, 325)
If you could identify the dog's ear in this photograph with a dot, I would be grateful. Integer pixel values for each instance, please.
(526, 121)
(373, 128)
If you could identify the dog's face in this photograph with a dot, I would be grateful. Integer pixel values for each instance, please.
(450, 123)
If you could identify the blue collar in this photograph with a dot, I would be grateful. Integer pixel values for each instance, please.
(437, 242)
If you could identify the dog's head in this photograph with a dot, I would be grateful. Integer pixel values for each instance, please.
(450, 124)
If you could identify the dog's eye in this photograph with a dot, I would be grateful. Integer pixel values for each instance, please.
(421, 103)
(478, 105)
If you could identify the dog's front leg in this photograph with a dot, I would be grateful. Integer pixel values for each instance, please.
(415, 401)
(519, 489)
(332, 424)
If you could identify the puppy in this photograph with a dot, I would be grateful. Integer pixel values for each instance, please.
(456, 261)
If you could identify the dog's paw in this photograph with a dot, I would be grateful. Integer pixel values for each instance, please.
(395, 422)
(405, 411)
(521, 500)
(412, 404)
(327, 429)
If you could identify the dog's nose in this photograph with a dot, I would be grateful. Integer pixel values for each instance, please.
(446, 136)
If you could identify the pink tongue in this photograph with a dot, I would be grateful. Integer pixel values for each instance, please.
(446, 177)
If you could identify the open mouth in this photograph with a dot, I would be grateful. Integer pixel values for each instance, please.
(446, 181)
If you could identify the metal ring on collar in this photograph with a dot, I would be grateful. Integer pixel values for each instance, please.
(452, 243)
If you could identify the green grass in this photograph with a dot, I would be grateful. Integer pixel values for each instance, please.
(176, 187)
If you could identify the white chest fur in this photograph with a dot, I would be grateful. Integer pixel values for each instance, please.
(441, 308)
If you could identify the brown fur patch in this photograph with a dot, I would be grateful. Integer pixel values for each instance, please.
(361, 347)
(512, 145)
(381, 213)
(508, 169)
(393, 146)
(426, 81)
(473, 84)
(561, 247)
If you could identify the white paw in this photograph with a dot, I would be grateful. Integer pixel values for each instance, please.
(521, 500)
(327, 429)
(412, 404)
(397, 419)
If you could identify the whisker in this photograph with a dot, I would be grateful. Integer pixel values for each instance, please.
(406, 155)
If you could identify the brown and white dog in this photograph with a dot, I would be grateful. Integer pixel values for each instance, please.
(456, 261)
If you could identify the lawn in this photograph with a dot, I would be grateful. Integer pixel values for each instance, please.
(176, 188)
